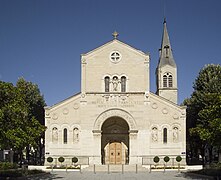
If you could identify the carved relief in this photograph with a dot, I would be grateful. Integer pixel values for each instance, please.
(165, 111)
(175, 116)
(154, 134)
(115, 83)
(54, 116)
(65, 111)
(55, 135)
(154, 106)
(175, 134)
(75, 135)
(76, 105)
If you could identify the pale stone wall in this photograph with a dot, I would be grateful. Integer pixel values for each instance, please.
(145, 113)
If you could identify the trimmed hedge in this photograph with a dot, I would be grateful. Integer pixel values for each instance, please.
(178, 158)
(156, 159)
(61, 159)
(50, 159)
(74, 159)
(166, 159)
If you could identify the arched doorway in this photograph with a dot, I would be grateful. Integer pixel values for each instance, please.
(115, 141)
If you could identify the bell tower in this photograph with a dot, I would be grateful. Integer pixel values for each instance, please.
(166, 72)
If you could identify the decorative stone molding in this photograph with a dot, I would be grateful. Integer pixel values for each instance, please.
(96, 132)
(175, 116)
(76, 105)
(113, 113)
(54, 116)
(164, 111)
(154, 106)
(65, 111)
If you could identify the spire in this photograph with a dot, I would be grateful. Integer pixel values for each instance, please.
(166, 55)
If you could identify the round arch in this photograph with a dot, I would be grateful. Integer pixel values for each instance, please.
(115, 113)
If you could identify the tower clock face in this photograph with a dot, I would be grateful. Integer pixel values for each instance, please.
(115, 56)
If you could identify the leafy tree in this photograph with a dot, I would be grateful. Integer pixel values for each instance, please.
(36, 103)
(19, 127)
(203, 110)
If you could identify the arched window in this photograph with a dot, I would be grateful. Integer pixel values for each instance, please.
(164, 81)
(123, 84)
(65, 136)
(170, 81)
(167, 80)
(165, 135)
(107, 84)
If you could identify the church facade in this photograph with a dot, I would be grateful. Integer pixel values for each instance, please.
(115, 119)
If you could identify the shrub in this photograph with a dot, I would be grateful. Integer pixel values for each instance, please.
(74, 160)
(178, 158)
(156, 159)
(8, 165)
(50, 159)
(61, 159)
(166, 159)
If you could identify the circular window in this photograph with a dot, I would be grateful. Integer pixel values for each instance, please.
(115, 57)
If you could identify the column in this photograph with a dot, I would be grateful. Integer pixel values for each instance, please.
(133, 156)
(96, 159)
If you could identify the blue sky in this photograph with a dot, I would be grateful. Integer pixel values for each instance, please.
(42, 40)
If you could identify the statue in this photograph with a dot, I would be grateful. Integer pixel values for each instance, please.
(55, 134)
(76, 135)
(154, 134)
(175, 134)
(115, 83)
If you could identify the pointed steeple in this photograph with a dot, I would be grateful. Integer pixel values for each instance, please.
(166, 55)
(166, 72)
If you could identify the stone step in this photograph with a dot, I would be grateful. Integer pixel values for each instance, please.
(116, 168)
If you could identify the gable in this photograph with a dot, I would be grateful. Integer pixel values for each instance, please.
(131, 63)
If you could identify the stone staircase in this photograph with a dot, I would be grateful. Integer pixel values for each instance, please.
(115, 168)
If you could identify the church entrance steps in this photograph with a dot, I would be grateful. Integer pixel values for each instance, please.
(116, 168)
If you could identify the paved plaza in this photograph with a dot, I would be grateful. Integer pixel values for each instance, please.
(170, 175)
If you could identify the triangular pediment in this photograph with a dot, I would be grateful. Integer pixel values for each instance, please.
(115, 44)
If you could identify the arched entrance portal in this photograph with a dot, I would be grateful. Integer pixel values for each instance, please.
(115, 141)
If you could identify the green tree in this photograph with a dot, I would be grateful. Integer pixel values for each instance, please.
(203, 110)
(35, 101)
(19, 128)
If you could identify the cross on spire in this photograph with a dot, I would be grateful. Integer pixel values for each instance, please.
(115, 34)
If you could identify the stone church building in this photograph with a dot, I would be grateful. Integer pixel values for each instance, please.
(115, 119)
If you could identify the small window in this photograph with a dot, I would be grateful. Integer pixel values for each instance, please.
(115, 57)
(167, 80)
(164, 81)
(123, 84)
(170, 81)
(165, 135)
(107, 84)
(65, 136)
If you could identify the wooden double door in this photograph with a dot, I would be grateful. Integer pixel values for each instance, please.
(115, 153)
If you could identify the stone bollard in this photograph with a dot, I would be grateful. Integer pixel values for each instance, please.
(94, 169)
(108, 168)
(122, 169)
(150, 168)
(136, 169)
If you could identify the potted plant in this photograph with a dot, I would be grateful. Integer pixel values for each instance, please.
(166, 160)
(156, 159)
(61, 160)
(178, 159)
(75, 160)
